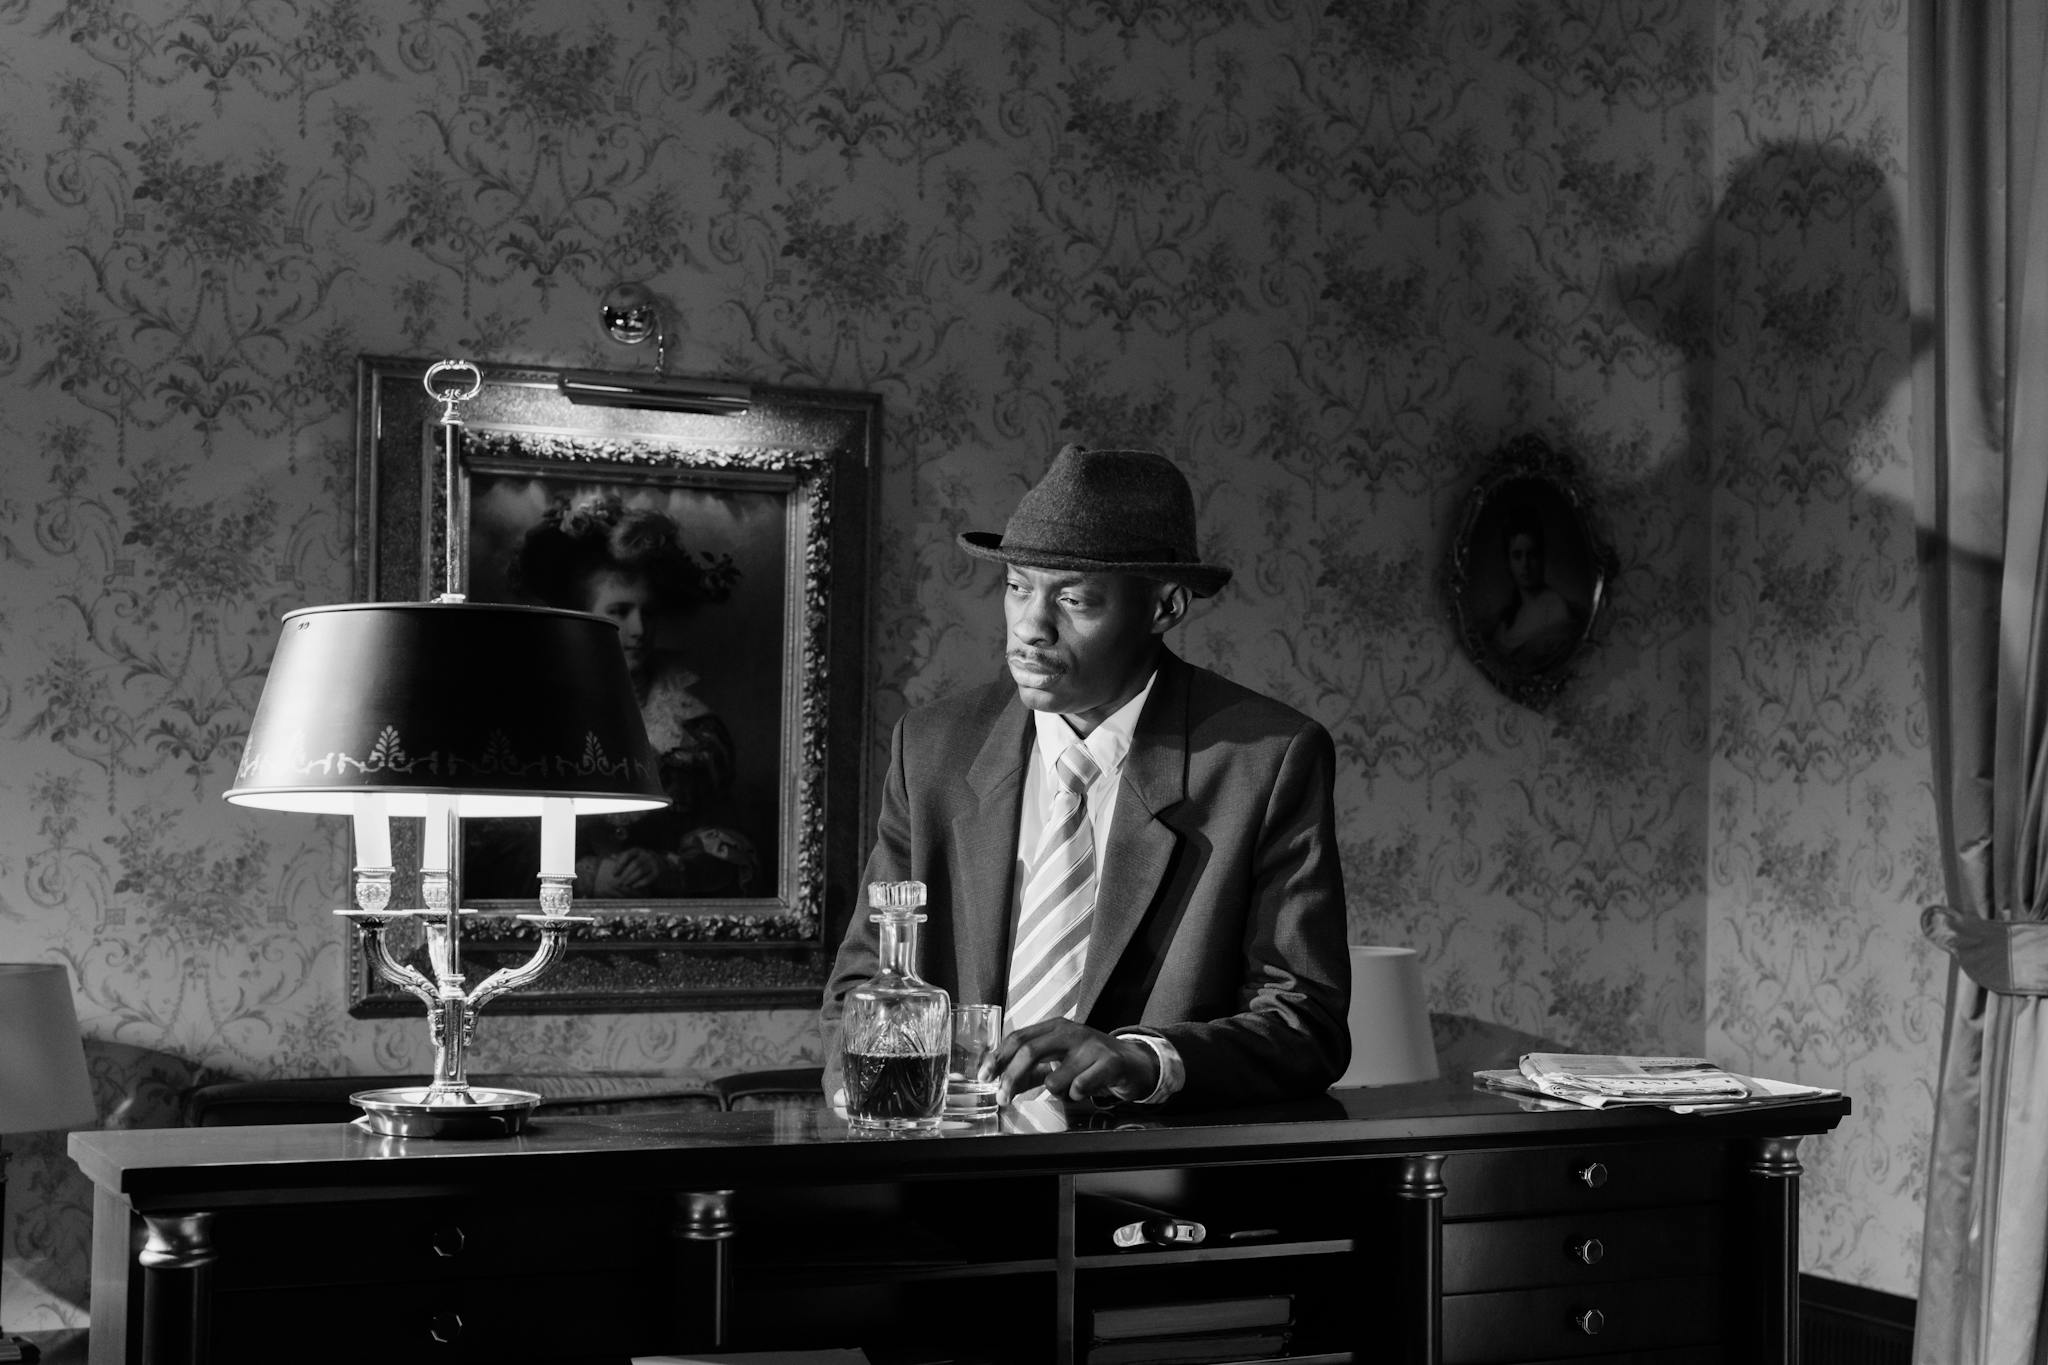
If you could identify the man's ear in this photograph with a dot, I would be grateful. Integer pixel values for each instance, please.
(1170, 607)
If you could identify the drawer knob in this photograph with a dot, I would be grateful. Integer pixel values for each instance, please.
(445, 1328)
(1589, 1321)
(1586, 1250)
(447, 1241)
(1592, 1175)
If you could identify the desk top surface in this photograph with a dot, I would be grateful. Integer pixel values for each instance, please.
(166, 1166)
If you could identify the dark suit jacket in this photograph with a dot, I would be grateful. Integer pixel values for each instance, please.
(1219, 922)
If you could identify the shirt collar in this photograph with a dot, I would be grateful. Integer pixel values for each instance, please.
(1108, 743)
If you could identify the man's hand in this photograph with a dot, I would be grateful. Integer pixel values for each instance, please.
(1073, 1062)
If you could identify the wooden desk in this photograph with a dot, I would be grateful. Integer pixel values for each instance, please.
(1427, 1223)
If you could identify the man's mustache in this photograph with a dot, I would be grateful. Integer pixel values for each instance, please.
(1037, 663)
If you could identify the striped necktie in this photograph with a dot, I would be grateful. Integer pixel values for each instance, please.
(1059, 894)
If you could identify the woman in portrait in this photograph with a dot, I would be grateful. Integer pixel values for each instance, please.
(630, 564)
(1539, 625)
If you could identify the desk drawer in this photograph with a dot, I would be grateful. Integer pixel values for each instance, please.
(1567, 1179)
(556, 1317)
(427, 1239)
(1595, 1247)
(1558, 1323)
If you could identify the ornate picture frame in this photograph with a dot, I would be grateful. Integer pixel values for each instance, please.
(755, 669)
(1529, 574)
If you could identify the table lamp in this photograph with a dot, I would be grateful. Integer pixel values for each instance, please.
(439, 711)
(43, 1083)
(1388, 1020)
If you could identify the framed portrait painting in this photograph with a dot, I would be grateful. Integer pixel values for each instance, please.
(1529, 574)
(731, 550)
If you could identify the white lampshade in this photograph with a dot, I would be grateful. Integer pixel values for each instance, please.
(1389, 1019)
(43, 1082)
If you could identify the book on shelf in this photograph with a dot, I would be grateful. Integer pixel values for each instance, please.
(1682, 1084)
(1199, 1348)
(1182, 1318)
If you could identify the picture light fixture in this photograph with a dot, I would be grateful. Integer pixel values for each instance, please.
(632, 316)
(609, 389)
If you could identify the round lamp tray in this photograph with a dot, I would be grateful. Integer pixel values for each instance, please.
(415, 1111)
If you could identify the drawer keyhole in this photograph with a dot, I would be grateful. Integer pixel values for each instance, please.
(1589, 1321)
(1592, 1175)
(1586, 1250)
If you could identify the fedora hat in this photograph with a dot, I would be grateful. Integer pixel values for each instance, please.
(1105, 511)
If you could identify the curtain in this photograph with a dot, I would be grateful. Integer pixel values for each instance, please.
(1979, 278)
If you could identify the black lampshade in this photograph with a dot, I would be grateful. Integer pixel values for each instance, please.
(497, 705)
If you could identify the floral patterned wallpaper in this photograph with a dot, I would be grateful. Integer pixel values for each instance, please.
(1821, 842)
(1330, 253)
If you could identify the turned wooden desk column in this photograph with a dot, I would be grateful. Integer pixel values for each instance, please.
(177, 1288)
(1418, 1269)
(703, 1229)
(1770, 1203)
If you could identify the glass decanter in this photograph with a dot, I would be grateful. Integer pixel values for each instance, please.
(895, 1027)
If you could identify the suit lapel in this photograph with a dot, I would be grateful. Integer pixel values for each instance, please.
(1141, 844)
(986, 840)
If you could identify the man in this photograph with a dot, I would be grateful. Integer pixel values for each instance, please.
(1133, 855)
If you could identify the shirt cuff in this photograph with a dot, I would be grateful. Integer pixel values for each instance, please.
(1172, 1073)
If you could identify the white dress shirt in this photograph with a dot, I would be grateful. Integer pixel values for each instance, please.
(1109, 744)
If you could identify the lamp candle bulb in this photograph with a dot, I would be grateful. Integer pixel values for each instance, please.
(435, 833)
(373, 830)
(557, 837)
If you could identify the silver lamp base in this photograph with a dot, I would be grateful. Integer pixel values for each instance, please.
(422, 1111)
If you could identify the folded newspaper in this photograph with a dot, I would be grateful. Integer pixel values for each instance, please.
(1683, 1083)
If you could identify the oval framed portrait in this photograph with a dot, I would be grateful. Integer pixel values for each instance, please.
(1529, 574)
